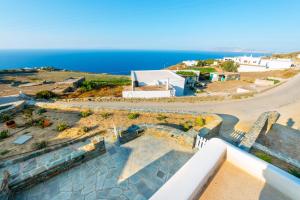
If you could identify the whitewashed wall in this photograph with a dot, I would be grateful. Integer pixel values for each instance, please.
(252, 68)
(147, 94)
(194, 175)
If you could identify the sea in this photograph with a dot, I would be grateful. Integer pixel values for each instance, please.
(105, 61)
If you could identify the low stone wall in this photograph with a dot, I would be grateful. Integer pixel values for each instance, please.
(33, 154)
(262, 125)
(278, 155)
(51, 165)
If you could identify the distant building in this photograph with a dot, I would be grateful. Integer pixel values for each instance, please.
(225, 76)
(250, 60)
(190, 63)
(298, 56)
(155, 84)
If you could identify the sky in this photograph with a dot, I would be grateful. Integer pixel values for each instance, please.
(258, 25)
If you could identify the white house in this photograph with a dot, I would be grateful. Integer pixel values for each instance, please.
(274, 64)
(249, 60)
(155, 84)
(221, 171)
(190, 63)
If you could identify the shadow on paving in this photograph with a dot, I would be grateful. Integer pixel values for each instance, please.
(102, 178)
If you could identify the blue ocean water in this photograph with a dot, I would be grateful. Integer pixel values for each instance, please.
(104, 61)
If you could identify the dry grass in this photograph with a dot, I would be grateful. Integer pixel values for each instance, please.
(112, 91)
(251, 76)
(97, 122)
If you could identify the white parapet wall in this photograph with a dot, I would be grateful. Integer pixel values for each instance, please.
(147, 94)
(191, 179)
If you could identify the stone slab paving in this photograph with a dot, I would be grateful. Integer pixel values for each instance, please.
(23, 170)
(135, 171)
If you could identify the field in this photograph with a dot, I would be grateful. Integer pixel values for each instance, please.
(76, 123)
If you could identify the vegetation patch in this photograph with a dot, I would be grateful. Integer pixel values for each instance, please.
(133, 115)
(186, 73)
(200, 121)
(45, 94)
(4, 117)
(106, 115)
(263, 156)
(85, 113)
(95, 84)
(186, 126)
(161, 117)
(275, 81)
(4, 134)
(2, 153)
(61, 126)
(294, 172)
(229, 66)
(41, 111)
(205, 70)
(40, 145)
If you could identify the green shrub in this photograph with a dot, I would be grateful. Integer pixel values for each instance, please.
(264, 157)
(106, 115)
(4, 134)
(294, 172)
(85, 113)
(275, 81)
(2, 153)
(186, 73)
(204, 69)
(85, 129)
(41, 111)
(186, 126)
(229, 66)
(199, 121)
(4, 117)
(61, 126)
(95, 84)
(161, 117)
(45, 94)
(40, 145)
(133, 115)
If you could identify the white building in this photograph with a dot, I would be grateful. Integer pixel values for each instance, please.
(221, 171)
(155, 84)
(298, 56)
(250, 60)
(190, 63)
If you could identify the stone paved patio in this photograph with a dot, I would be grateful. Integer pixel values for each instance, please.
(131, 171)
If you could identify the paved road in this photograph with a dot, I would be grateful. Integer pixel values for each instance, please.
(284, 99)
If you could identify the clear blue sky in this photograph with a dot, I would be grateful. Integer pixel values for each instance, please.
(272, 25)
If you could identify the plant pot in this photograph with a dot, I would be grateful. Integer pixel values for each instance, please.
(46, 123)
(11, 124)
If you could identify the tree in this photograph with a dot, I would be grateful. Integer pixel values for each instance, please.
(229, 66)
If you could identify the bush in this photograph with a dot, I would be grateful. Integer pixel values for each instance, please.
(186, 73)
(186, 126)
(95, 84)
(264, 157)
(275, 81)
(205, 69)
(2, 153)
(45, 94)
(133, 115)
(61, 126)
(161, 117)
(4, 134)
(200, 121)
(294, 172)
(40, 145)
(229, 66)
(106, 115)
(4, 117)
(85, 113)
(85, 129)
(41, 111)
